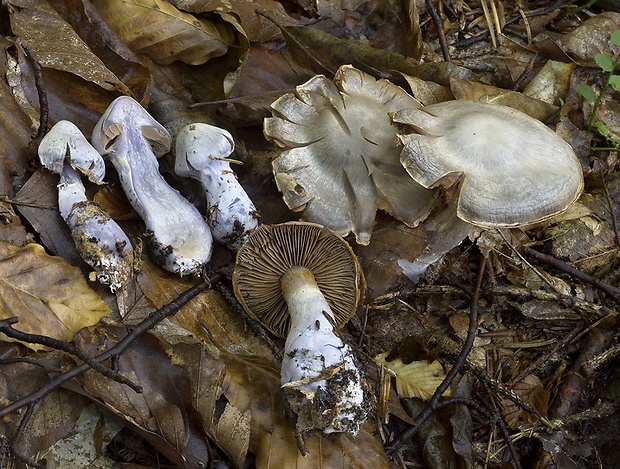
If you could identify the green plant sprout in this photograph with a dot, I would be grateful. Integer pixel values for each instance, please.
(608, 64)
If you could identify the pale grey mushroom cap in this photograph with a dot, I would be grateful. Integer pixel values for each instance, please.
(65, 143)
(513, 170)
(341, 157)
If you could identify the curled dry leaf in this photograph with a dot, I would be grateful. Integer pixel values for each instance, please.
(165, 34)
(48, 296)
(419, 378)
(530, 390)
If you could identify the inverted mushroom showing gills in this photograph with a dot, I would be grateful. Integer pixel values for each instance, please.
(100, 241)
(303, 282)
(202, 152)
(512, 170)
(341, 155)
(130, 138)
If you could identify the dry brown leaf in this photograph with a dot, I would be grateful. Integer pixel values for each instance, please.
(52, 420)
(530, 390)
(164, 33)
(37, 201)
(257, 26)
(48, 296)
(54, 44)
(161, 412)
(207, 311)
(476, 91)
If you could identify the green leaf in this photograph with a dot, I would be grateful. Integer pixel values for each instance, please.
(605, 62)
(614, 82)
(601, 127)
(615, 37)
(586, 91)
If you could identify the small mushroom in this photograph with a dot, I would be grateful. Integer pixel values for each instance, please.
(341, 157)
(303, 282)
(512, 169)
(100, 241)
(202, 152)
(130, 139)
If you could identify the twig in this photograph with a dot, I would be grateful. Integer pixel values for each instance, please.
(147, 324)
(20, 430)
(467, 346)
(514, 19)
(7, 328)
(575, 273)
(440, 32)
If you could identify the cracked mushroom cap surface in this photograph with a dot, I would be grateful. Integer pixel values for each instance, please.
(513, 170)
(271, 250)
(341, 154)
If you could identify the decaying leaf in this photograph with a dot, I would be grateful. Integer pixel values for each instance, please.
(164, 33)
(416, 379)
(48, 296)
(530, 390)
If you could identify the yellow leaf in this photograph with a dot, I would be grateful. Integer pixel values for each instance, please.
(157, 29)
(415, 379)
(48, 295)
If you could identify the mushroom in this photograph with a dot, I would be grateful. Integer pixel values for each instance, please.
(130, 139)
(100, 241)
(202, 152)
(506, 169)
(341, 157)
(512, 169)
(303, 282)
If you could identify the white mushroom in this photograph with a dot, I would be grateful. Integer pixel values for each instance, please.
(202, 152)
(502, 167)
(341, 155)
(512, 170)
(303, 282)
(100, 241)
(177, 233)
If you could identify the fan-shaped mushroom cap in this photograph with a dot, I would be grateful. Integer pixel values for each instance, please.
(513, 169)
(341, 158)
(272, 250)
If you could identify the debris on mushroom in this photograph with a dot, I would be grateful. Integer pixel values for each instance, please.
(505, 168)
(341, 155)
(100, 241)
(303, 282)
(202, 152)
(130, 139)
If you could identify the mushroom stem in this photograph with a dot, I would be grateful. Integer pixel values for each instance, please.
(71, 190)
(231, 215)
(101, 242)
(318, 369)
(178, 235)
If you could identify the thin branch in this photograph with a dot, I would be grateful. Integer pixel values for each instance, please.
(455, 370)
(440, 32)
(7, 328)
(147, 324)
(575, 273)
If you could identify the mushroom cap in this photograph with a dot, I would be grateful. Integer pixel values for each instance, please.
(513, 170)
(273, 249)
(65, 143)
(126, 111)
(341, 157)
(199, 146)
